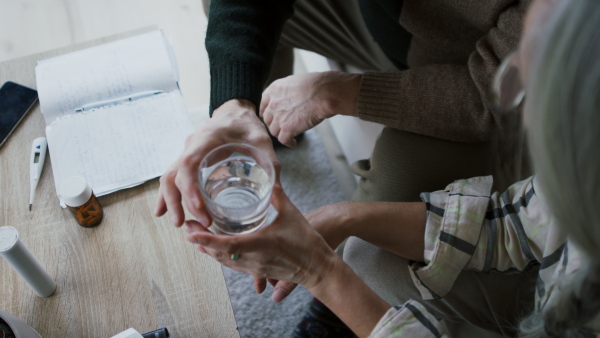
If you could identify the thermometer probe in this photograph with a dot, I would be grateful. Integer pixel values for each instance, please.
(36, 163)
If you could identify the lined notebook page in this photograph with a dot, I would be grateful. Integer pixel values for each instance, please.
(117, 69)
(120, 146)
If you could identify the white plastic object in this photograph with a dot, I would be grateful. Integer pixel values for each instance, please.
(36, 164)
(75, 191)
(22, 260)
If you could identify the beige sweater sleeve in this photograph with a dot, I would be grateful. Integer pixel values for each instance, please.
(443, 100)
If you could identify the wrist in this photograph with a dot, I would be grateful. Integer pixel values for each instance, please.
(330, 274)
(236, 108)
(348, 214)
(346, 295)
(344, 93)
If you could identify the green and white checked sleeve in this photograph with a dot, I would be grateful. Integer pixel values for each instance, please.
(469, 228)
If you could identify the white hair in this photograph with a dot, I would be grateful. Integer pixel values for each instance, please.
(563, 104)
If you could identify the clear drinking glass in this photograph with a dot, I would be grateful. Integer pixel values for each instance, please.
(236, 181)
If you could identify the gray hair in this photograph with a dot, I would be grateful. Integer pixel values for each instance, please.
(563, 105)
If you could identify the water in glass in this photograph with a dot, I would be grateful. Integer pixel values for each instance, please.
(238, 190)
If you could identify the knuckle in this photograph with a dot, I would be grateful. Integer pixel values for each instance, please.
(163, 179)
(178, 181)
(267, 113)
(285, 132)
(262, 272)
(219, 257)
(168, 177)
(187, 160)
(287, 286)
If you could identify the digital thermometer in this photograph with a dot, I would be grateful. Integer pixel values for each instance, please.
(36, 164)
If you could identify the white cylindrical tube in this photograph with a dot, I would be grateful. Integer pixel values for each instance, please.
(22, 260)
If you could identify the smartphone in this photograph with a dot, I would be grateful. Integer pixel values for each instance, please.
(15, 101)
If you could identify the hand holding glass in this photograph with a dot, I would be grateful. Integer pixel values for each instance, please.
(236, 181)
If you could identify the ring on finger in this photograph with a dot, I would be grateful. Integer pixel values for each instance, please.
(234, 257)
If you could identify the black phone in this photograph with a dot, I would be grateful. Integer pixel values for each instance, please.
(15, 102)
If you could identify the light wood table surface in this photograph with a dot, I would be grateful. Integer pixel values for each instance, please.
(133, 270)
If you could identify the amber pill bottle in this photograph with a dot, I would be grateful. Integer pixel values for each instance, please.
(77, 194)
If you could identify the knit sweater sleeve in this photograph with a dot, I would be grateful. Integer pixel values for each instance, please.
(241, 39)
(443, 100)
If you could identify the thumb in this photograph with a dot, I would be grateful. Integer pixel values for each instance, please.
(282, 289)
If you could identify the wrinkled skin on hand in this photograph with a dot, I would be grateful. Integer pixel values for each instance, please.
(287, 250)
(297, 103)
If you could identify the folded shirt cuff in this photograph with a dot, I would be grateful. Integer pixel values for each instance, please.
(455, 217)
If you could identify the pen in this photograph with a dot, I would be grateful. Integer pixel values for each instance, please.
(36, 163)
(104, 103)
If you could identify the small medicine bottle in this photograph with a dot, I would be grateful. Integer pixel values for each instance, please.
(77, 194)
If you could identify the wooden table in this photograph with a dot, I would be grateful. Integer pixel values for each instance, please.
(133, 270)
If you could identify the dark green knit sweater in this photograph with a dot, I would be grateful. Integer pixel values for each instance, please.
(241, 50)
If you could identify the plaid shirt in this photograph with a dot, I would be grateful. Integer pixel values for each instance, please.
(467, 228)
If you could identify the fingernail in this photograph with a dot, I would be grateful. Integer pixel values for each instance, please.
(278, 295)
(201, 249)
(174, 219)
(188, 229)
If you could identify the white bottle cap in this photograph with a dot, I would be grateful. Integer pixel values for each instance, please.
(8, 238)
(25, 264)
(74, 191)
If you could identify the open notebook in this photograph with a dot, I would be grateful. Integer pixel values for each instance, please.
(114, 113)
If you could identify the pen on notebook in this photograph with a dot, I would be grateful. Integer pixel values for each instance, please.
(131, 97)
(36, 164)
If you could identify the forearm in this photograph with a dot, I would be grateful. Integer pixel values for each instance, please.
(241, 39)
(344, 293)
(398, 227)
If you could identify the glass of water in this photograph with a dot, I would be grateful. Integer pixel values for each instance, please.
(236, 181)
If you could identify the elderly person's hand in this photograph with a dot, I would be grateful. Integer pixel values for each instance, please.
(331, 222)
(289, 249)
(297, 103)
(233, 121)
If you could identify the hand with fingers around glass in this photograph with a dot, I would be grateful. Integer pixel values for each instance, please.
(233, 121)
